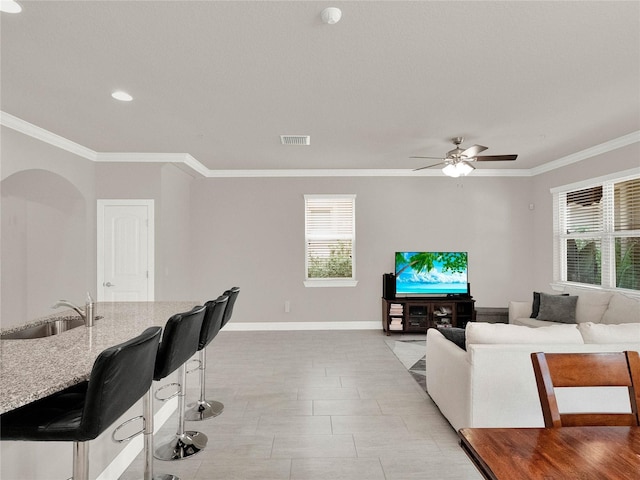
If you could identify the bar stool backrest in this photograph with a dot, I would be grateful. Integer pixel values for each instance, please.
(212, 322)
(179, 341)
(232, 294)
(121, 375)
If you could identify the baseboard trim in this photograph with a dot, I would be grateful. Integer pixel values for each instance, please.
(261, 326)
(128, 454)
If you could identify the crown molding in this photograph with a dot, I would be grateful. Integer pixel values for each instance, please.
(605, 147)
(196, 165)
(355, 172)
(15, 123)
(115, 157)
(179, 158)
(46, 136)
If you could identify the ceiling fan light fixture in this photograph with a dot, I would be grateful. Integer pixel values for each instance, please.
(457, 169)
(450, 170)
(465, 168)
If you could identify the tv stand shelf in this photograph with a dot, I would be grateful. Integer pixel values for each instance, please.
(405, 315)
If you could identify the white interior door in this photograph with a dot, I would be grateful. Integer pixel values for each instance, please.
(125, 250)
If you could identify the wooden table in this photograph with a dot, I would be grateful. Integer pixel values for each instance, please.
(580, 453)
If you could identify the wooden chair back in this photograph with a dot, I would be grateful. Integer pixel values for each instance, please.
(618, 369)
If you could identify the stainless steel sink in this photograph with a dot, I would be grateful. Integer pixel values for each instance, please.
(53, 327)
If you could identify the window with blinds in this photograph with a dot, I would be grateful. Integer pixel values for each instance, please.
(329, 237)
(597, 234)
(626, 233)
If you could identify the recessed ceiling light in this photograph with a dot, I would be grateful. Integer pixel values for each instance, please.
(10, 6)
(122, 96)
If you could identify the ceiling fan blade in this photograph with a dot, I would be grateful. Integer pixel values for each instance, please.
(496, 158)
(428, 166)
(433, 158)
(473, 151)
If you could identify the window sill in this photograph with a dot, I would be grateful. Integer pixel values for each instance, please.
(330, 282)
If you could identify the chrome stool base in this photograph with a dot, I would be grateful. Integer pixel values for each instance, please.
(203, 410)
(147, 406)
(165, 476)
(182, 446)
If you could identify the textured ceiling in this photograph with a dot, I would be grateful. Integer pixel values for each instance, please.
(222, 81)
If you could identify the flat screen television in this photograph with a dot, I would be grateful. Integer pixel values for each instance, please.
(431, 274)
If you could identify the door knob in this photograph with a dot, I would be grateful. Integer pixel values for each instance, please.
(108, 284)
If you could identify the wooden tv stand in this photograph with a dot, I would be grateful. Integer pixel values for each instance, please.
(416, 315)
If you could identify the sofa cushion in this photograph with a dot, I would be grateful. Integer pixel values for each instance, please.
(557, 308)
(496, 333)
(591, 304)
(532, 322)
(606, 334)
(622, 309)
(455, 335)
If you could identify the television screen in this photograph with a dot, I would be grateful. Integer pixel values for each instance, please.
(431, 274)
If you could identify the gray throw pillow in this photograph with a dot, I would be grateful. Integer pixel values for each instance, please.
(535, 306)
(455, 335)
(554, 308)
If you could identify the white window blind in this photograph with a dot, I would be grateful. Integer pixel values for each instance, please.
(329, 237)
(627, 198)
(597, 234)
(582, 217)
(626, 234)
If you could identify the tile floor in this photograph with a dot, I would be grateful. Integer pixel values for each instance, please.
(315, 405)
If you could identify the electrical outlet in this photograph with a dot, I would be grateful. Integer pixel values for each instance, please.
(287, 306)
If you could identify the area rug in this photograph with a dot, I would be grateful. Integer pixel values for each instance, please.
(410, 350)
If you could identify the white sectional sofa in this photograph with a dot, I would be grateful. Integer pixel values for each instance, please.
(491, 383)
(590, 306)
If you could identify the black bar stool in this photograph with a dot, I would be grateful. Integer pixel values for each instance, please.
(199, 411)
(211, 325)
(121, 375)
(179, 343)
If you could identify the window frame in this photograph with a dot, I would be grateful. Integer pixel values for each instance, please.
(606, 236)
(330, 282)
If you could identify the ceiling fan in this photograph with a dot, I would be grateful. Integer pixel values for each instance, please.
(456, 162)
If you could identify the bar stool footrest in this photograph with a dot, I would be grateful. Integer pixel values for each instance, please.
(124, 424)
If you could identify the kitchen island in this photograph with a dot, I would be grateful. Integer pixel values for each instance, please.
(34, 368)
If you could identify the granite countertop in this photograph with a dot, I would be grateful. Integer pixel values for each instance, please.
(34, 368)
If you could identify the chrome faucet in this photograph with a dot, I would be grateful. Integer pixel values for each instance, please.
(88, 314)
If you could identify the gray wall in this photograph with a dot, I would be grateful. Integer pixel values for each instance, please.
(252, 234)
(48, 227)
(213, 233)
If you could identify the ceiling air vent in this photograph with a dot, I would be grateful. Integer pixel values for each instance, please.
(295, 139)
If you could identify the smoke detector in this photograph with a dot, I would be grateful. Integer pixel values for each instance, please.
(331, 15)
(295, 139)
